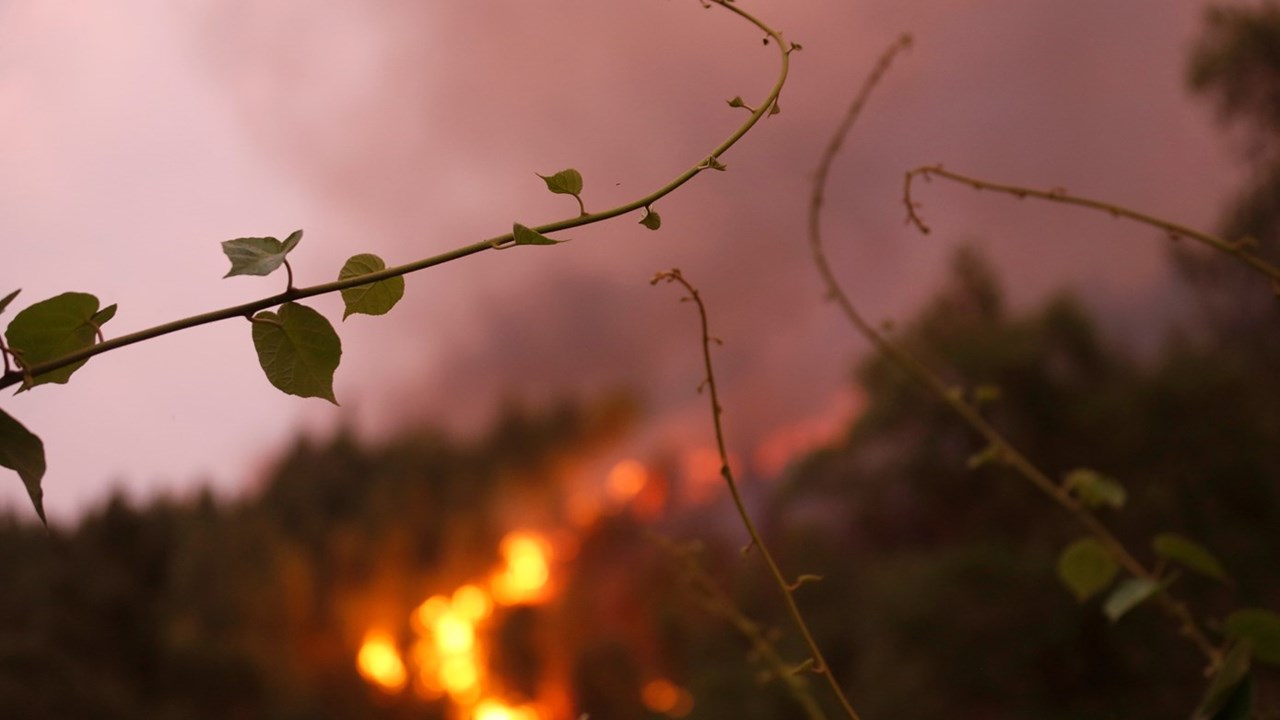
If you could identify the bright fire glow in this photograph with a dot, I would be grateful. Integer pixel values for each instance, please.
(379, 661)
(494, 710)
(525, 570)
(472, 603)
(449, 655)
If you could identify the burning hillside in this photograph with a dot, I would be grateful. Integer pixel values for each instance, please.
(447, 655)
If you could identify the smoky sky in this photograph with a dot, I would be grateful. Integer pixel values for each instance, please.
(408, 129)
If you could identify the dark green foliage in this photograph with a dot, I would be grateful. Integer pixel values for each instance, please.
(55, 327)
(1236, 65)
(1196, 441)
(1237, 61)
(23, 452)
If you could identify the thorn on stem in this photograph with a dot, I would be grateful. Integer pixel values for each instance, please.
(808, 664)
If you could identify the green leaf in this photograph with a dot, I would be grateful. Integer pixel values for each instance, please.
(298, 350)
(1128, 595)
(565, 182)
(1189, 554)
(651, 219)
(375, 298)
(53, 328)
(104, 315)
(292, 241)
(8, 299)
(22, 451)
(1223, 698)
(1086, 568)
(258, 255)
(736, 102)
(525, 236)
(1261, 628)
(1239, 703)
(1095, 489)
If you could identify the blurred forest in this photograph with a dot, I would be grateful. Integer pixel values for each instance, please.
(939, 596)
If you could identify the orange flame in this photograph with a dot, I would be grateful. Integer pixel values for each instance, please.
(448, 657)
(490, 709)
(447, 653)
(379, 661)
(525, 571)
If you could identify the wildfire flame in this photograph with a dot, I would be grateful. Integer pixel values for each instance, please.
(379, 662)
(448, 657)
(523, 577)
(494, 710)
(449, 654)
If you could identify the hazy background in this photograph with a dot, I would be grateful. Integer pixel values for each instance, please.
(138, 135)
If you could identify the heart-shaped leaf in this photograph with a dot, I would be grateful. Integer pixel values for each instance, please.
(565, 182)
(1095, 489)
(258, 255)
(375, 298)
(298, 350)
(1261, 628)
(1189, 554)
(22, 451)
(1086, 568)
(53, 328)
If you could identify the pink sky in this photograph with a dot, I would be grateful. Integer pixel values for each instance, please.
(137, 135)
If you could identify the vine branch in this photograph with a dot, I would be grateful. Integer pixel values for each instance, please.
(817, 663)
(716, 602)
(710, 161)
(1241, 249)
(968, 412)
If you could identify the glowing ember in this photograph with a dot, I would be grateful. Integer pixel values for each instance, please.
(429, 611)
(379, 661)
(525, 571)
(626, 480)
(472, 603)
(663, 696)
